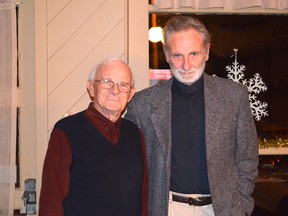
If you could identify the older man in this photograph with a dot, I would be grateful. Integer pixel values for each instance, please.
(95, 162)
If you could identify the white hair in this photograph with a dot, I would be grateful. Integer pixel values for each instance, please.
(93, 73)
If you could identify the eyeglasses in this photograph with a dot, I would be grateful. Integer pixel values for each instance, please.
(109, 84)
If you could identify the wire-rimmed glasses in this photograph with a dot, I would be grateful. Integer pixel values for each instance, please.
(109, 84)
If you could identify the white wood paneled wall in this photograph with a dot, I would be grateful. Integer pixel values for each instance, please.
(79, 34)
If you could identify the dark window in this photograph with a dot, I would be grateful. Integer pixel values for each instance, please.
(262, 43)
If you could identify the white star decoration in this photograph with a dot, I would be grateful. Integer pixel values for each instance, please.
(255, 85)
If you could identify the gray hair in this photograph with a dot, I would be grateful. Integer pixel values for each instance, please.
(93, 73)
(180, 23)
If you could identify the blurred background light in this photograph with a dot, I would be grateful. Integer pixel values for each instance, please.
(155, 34)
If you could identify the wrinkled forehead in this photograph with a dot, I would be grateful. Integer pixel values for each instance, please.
(114, 70)
(184, 38)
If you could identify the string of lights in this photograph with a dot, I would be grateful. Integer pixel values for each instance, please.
(265, 143)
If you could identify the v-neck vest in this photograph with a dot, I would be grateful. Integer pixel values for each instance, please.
(105, 179)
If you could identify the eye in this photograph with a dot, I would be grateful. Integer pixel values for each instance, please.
(177, 56)
(107, 83)
(194, 54)
(123, 85)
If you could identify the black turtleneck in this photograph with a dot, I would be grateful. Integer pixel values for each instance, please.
(188, 162)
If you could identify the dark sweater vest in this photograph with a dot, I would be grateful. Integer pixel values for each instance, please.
(105, 179)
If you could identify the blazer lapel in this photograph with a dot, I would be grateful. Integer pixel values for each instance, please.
(159, 116)
(212, 117)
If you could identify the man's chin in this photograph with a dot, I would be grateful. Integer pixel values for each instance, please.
(188, 80)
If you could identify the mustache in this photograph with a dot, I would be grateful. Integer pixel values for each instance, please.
(185, 71)
(193, 70)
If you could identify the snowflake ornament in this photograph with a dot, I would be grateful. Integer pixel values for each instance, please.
(255, 85)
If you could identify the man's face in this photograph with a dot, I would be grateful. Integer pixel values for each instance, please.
(186, 55)
(111, 102)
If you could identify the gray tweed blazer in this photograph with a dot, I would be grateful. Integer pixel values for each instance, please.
(231, 144)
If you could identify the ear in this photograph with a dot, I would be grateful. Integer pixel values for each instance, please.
(167, 55)
(90, 88)
(131, 94)
(207, 48)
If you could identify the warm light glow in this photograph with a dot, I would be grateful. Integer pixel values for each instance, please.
(155, 34)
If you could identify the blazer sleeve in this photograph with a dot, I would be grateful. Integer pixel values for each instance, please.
(246, 154)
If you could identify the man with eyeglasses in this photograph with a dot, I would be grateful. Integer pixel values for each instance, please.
(96, 163)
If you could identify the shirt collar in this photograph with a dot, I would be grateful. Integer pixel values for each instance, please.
(188, 89)
(109, 129)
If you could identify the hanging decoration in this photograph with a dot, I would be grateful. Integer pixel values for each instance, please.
(255, 85)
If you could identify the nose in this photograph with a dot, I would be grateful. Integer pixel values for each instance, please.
(186, 64)
(115, 88)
